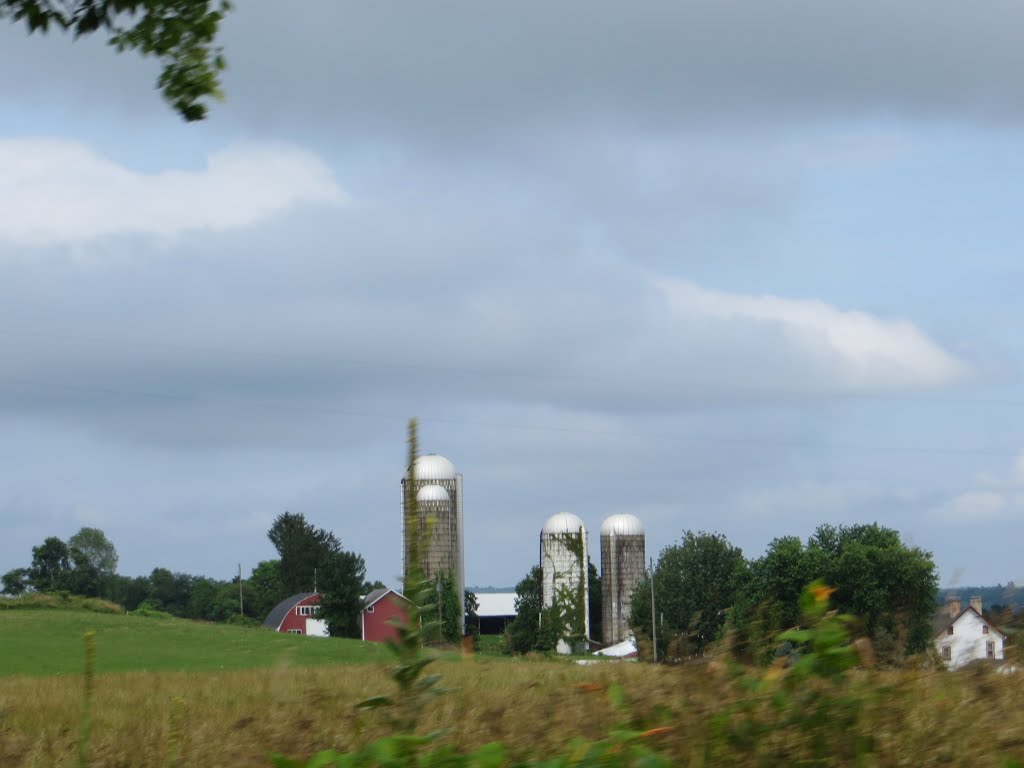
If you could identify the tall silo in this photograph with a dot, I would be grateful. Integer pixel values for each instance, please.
(563, 563)
(438, 489)
(623, 563)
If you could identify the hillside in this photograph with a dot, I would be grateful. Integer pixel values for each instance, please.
(46, 642)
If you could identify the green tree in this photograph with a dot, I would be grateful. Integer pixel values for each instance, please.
(695, 584)
(93, 563)
(95, 550)
(82, 578)
(595, 607)
(51, 562)
(15, 581)
(266, 586)
(534, 627)
(470, 606)
(128, 591)
(179, 33)
(313, 556)
(450, 608)
(770, 603)
(303, 549)
(341, 589)
(888, 587)
(170, 592)
(224, 606)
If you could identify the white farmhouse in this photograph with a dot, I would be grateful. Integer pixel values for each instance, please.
(964, 636)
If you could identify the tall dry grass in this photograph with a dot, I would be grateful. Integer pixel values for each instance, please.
(972, 718)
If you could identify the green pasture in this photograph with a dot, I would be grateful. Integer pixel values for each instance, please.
(49, 642)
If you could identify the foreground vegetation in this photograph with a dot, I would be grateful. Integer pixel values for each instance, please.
(826, 706)
(533, 707)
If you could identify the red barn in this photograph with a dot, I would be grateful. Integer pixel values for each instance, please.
(297, 615)
(381, 608)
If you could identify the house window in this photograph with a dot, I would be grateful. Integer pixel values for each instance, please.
(294, 631)
(950, 630)
(947, 653)
(307, 610)
(990, 649)
(984, 630)
(369, 609)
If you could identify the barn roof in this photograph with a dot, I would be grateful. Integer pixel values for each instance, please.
(377, 594)
(276, 616)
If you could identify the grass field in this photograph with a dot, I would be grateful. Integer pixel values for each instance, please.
(48, 642)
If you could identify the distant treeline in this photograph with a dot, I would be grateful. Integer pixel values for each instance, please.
(992, 598)
(310, 558)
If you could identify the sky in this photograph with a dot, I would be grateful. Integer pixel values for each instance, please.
(735, 267)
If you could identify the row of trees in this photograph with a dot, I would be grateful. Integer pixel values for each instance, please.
(84, 564)
(706, 590)
(309, 558)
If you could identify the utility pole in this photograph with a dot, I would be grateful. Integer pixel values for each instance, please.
(241, 605)
(654, 627)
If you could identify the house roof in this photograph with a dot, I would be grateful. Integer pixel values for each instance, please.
(276, 616)
(376, 595)
(941, 621)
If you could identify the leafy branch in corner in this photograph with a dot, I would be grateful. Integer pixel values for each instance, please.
(180, 33)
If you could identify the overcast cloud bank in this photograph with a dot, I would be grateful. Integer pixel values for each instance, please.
(726, 266)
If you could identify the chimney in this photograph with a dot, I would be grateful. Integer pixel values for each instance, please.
(954, 606)
(976, 602)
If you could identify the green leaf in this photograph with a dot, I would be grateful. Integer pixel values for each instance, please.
(489, 756)
(617, 696)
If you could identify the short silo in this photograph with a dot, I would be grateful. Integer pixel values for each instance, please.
(563, 562)
(438, 527)
(623, 565)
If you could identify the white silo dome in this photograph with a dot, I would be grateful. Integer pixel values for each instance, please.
(622, 525)
(432, 493)
(563, 522)
(431, 468)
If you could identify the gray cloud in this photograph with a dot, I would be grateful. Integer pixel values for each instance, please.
(463, 72)
(531, 185)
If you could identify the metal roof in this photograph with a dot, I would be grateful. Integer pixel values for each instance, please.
(496, 604)
(276, 616)
(621, 650)
(433, 493)
(432, 468)
(563, 522)
(622, 525)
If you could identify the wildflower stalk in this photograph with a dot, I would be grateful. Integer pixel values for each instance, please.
(85, 724)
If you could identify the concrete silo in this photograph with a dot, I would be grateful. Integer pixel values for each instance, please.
(563, 563)
(623, 564)
(438, 527)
